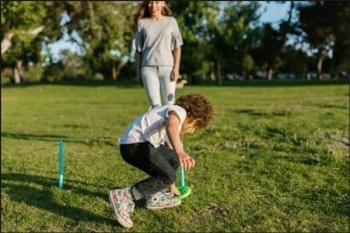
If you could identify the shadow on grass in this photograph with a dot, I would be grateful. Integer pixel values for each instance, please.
(20, 190)
(256, 113)
(133, 84)
(55, 138)
(85, 83)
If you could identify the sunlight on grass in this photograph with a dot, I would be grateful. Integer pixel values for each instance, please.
(274, 159)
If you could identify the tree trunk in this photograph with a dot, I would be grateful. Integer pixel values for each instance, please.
(114, 72)
(17, 72)
(16, 75)
(218, 72)
(36, 31)
(244, 74)
(212, 72)
(269, 74)
(6, 42)
(118, 69)
(92, 17)
(91, 11)
(321, 56)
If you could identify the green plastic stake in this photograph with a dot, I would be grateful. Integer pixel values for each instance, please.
(61, 164)
(182, 176)
(184, 190)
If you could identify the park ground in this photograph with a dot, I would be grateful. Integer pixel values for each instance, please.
(274, 159)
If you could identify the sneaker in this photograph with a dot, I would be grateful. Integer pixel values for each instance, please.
(122, 205)
(161, 200)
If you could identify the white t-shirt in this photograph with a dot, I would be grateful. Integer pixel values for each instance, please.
(150, 126)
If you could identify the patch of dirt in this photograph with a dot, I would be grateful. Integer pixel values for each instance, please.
(218, 211)
(213, 210)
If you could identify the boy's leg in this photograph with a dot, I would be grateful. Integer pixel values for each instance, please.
(150, 160)
(162, 199)
(170, 156)
(122, 203)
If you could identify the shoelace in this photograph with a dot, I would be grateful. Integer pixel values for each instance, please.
(130, 207)
(167, 195)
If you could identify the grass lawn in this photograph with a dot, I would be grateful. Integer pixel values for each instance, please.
(274, 159)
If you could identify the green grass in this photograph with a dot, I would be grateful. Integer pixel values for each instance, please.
(274, 159)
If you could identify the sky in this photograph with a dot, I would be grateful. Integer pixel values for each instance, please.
(273, 13)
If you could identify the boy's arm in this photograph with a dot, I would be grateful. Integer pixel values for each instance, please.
(173, 133)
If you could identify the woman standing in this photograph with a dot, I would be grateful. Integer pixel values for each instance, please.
(157, 43)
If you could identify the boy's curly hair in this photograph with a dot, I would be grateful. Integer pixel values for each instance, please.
(197, 107)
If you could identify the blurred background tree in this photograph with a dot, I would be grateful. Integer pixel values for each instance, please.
(326, 26)
(222, 40)
(24, 26)
(106, 29)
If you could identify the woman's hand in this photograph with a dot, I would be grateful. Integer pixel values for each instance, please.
(175, 74)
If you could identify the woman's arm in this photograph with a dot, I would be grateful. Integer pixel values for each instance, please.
(176, 69)
(138, 66)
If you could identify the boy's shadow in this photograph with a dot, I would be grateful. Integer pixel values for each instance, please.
(19, 190)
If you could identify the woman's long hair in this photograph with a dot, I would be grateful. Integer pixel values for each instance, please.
(143, 12)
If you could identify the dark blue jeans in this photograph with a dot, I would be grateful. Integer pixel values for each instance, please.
(160, 163)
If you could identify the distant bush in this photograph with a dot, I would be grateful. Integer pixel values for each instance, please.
(6, 76)
(98, 76)
(34, 73)
(54, 72)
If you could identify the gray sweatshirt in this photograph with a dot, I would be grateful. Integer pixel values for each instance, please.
(156, 40)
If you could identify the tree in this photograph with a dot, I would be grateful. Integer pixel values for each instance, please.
(106, 33)
(233, 36)
(22, 25)
(323, 22)
(268, 55)
(193, 18)
(295, 61)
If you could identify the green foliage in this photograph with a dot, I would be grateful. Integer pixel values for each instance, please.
(106, 32)
(326, 25)
(268, 54)
(193, 17)
(295, 61)
(224, 37)
(73, 67)
(34, 73)
(233, 35)
(6, 76)
(216, 32)
(247, 64)
(21, 19)
(274, 159)
(54, 72)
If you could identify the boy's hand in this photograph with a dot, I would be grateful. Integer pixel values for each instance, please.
(174, 190)
(186, 161)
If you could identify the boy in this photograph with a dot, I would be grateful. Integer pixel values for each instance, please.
(152, 143)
